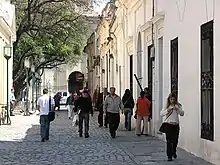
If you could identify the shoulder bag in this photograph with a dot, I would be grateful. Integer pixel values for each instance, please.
(51, 114)
(162, 127)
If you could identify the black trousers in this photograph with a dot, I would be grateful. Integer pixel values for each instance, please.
(100, 119)
(172, 136)
(84, 117)
(113, 121)
(57, 106)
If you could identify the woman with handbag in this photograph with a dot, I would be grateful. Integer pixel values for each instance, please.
(128, 103)
(170, 125)
(142, 113)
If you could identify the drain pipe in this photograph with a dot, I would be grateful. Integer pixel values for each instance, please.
(152, 30)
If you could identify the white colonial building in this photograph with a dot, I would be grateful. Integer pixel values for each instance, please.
(137, 38)
(191, 38)
(171, 46)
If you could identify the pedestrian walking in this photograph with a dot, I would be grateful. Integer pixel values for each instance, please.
(43, 105)
(12, 102)
(70, 105)
(57, 99)
(128, 103)
(111, 107)
(95, 98)
(84, 104)
(142, 113)
(100, 102)
(149, 97)
(170, 125)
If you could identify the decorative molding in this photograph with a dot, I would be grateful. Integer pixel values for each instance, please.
(158, 17)
(155, 20)
(5, 27)
(134, 5)
(125, 2)
(160, 32)
(129, 39)
(119, 29)
(130, 49)
(146, 26)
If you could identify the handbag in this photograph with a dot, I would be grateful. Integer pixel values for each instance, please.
(75, 119)
(162, 127)
(51, 115)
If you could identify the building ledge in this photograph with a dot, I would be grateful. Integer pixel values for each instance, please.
(158, 17)
(146, 26)
(5, 26)
(129, 39)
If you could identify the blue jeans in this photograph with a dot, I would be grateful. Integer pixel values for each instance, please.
(44, 127)
(128, 112)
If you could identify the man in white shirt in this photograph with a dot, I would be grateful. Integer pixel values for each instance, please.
(43, 107)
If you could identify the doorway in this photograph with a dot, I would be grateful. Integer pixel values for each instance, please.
(150, 69)
(174, 66)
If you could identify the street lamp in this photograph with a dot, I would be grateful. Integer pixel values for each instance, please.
(7, 55)
(27, 66)
(36, 87)
(33, 81)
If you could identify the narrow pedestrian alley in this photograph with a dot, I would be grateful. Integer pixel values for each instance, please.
(20, 145)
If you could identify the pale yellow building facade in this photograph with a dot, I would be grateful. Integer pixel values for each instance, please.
(7, 36)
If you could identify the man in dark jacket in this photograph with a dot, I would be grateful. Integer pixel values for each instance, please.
(84, 104)
(57, 99)
(101, 98)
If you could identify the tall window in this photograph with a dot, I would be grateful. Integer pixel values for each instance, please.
(131, 73)
(150, 70)
(174, 66)
(207, 116)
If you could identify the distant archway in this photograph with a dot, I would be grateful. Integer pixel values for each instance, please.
(75, 81)
(139, 62)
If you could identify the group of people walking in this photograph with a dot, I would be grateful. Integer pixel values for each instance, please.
(110, 106)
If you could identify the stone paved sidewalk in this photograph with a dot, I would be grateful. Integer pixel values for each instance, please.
(20, 145)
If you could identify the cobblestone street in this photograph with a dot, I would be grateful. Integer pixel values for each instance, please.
(20, 145)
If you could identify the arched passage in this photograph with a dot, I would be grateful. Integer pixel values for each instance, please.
(75, 81)
(139, 62)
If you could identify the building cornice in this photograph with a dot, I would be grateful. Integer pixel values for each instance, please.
(129, 40)
(146, 26)
(158, 17)
(134, 5)
(155, 20)
(5, 27)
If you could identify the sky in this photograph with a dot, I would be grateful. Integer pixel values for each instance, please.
(100, 5)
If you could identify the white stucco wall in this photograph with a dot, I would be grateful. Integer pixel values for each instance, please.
(182, 21)
(185, 24)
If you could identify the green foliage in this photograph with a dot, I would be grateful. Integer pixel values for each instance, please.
(53, 30)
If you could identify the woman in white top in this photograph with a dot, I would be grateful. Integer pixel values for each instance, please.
(171, 114)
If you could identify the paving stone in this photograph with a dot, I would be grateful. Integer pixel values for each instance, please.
(20, 145)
